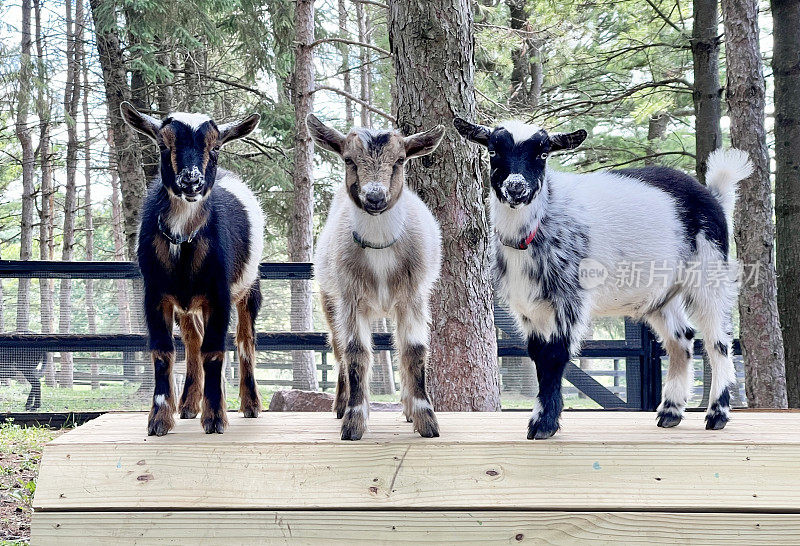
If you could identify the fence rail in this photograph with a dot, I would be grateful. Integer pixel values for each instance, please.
(640, 349)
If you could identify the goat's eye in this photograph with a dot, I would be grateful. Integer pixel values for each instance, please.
(492, 153)
(349, 162)
(399, 162)
(544, 155)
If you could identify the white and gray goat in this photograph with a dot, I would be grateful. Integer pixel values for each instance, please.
(650, 243)
(379, 255)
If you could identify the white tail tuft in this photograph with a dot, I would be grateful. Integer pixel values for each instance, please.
(726, 168)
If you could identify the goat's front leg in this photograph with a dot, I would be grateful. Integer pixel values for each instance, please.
(159, 315)
(214, 417)
(354, 327)
(551, 357)
(412, 339)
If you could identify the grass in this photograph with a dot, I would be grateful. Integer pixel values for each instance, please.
(20, 455)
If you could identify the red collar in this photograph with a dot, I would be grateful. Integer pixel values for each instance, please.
(524, 243)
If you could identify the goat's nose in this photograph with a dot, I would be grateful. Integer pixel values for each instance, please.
(516, 185)
(375, 197)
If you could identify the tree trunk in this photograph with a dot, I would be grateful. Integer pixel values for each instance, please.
(365, 68)
(300, 240)
(432, 43)
(707, 93)
(656, 130)
(760, 331)
(45, 192)
(128, 155)
(23, 133)
(344, 50)
(71, 98)
(91, 314)
(707, 97)
(117, 230)
(786, 70)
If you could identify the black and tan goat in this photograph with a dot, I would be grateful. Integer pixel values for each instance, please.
(200, 243)
(378, 255)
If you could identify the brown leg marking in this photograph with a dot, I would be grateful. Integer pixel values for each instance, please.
(249, 397)
(416, 403)
(214, 418)
(192, 330)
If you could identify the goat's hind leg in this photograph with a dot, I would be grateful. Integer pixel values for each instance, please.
(192, 328)
(247, 309)
(340, 399)
(672, 326)
(717, 338)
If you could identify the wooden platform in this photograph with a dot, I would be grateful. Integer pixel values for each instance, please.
(287, 477)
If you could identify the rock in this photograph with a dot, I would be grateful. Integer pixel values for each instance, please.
(297, 400)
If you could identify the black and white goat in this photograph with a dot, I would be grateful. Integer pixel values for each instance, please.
(650, 243)
(379, 255)
(200, 243)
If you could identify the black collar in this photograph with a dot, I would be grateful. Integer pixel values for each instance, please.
(366, 244)
(172, 238)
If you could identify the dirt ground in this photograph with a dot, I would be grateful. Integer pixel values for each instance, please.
(20, 454)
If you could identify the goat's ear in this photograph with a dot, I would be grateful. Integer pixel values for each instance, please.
(238, 129)
(567, 141)
(147, 125)
(423, 143)
(478, 134)
(324, 136)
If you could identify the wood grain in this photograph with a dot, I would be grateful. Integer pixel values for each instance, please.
(285, 461)
(373, 527)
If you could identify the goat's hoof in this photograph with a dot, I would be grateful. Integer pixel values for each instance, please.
(251, 412)
(339, 413)
(541, 431)
(158, 427)
(214, 425)
(668, 420)
(426, 424)
(187, 413)
(354, 426)
(716, 420)
(409, 419)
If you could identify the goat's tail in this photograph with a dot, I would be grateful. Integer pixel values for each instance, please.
(726, 168)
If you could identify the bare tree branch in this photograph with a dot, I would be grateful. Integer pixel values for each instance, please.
(351, 42)
(664, 17)
(371, 3)
(358, 101)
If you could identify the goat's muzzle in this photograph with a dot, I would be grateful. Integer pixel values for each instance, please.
(517, 191)
(191, 182)
(373, 198)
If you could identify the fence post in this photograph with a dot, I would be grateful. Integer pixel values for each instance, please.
(633, 366)
(643, 372)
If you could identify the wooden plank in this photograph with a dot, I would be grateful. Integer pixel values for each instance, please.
(601, 461)
(439, 527)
